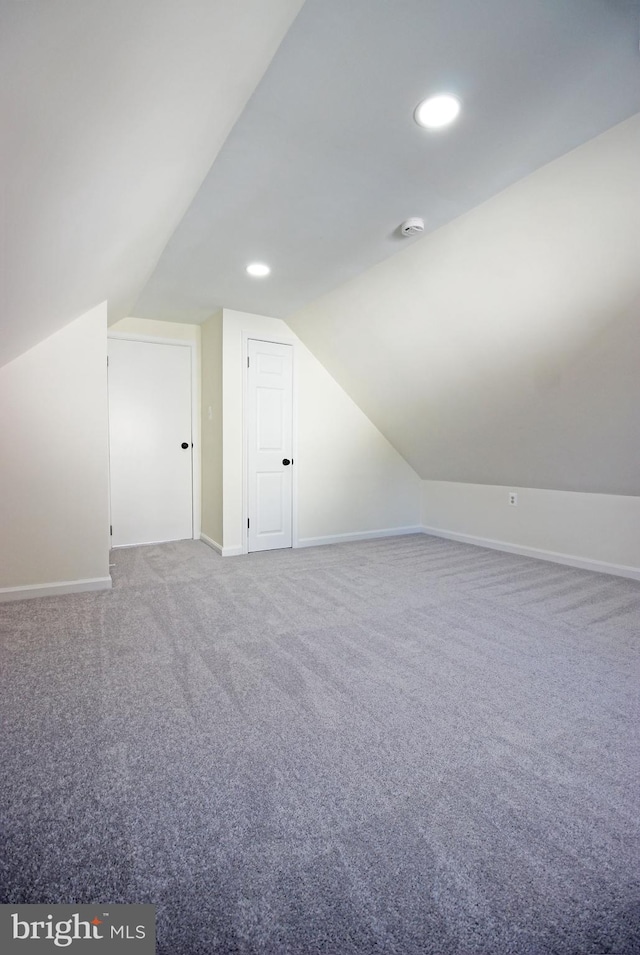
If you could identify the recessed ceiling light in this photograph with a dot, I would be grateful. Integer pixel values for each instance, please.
(437, 111)
(258, 270)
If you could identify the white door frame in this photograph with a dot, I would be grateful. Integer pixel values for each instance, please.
(195, 415)
(275, 340)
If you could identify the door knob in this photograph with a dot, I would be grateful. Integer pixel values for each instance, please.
(184, 445)
(286, 461)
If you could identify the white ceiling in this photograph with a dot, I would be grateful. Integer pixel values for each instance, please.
(150, 148)
(325, 160)
(111, 114)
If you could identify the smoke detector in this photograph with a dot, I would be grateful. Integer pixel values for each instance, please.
(412, 226)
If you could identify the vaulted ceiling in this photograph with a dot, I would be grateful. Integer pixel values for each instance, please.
(152, 148)
(505, 347)
(326, 161)
(111, 114)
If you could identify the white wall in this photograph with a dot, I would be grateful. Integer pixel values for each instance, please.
(350, 481)
(54, 524)
(596, 531)
(211, 415)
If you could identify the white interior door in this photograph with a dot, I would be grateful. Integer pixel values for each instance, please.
(270, 447)
(150, 442)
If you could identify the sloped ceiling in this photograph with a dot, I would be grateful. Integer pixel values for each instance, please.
(111, 114)
(326, 160)
(505, 347)
(152, 147)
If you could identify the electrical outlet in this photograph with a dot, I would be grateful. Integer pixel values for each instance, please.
(513, 498)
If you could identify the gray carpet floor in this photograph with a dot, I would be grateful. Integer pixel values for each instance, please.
(400, 746)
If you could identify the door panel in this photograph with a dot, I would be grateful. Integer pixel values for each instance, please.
(271, 427)
(149, 421)
(270, 435)
(270, 516)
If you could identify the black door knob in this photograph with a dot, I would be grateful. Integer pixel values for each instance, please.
(286, 461)
(184, 445)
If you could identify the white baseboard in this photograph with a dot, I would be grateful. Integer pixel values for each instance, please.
(177, 540)
(56, 589)
(359, 536)
(209, 541)
(584, 563)
(224, 551)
